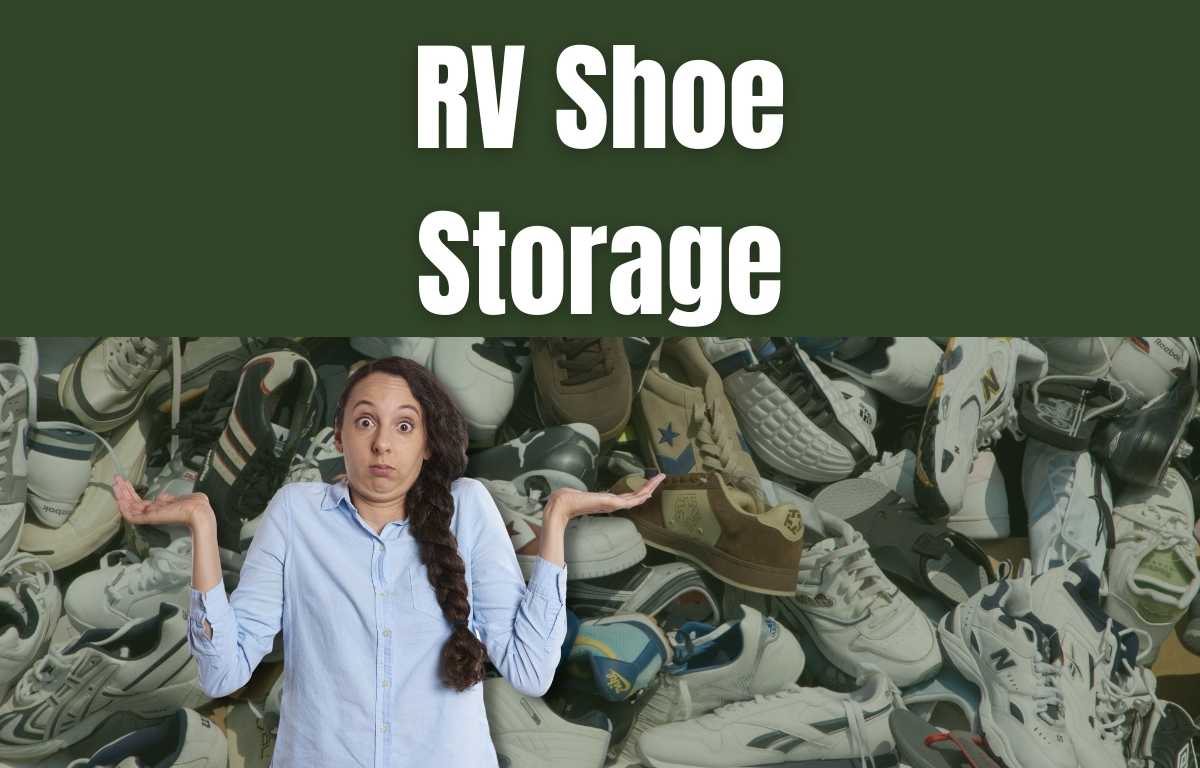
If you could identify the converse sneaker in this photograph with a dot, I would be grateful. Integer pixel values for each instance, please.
(125, 588)
(144, 667)
(482, 376)
(528, 734)
(185, 740)
(665, 592)
(105, 386)
(796, 726)
(971, 404)
(547, 459)
(1069, 502)
(583, 379)
(60, 465)
(1152, 572)
(900, 367)
(17, 402)
(30, 606)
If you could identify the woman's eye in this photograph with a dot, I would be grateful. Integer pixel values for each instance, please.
(363, 422)
(406, 426)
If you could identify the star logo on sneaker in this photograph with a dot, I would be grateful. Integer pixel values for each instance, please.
(667, 435)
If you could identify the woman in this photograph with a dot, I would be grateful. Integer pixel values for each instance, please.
(390, 586)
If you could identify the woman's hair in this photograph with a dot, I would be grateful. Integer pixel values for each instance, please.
(429, 507)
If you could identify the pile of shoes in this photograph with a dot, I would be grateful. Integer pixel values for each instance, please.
(812, 582)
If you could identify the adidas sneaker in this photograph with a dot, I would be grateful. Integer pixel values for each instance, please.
(104, 387)
(185, 740)
(1069, 503)
(125, 589)
(528, 734)
(30, 606)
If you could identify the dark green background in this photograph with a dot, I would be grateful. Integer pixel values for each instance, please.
(945, 166)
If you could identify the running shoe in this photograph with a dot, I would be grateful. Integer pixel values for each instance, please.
(528, 734)
(1069, 503)
(106, 385)
(30, 606)
(547, 459)
(900, 367)
(18, 404)
(482, 376)
(666, 592)
(185, 740)
(126, 588)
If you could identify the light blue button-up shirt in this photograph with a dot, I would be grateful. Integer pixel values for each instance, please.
(363, 631)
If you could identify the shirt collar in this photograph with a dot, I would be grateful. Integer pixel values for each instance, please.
(338, 495)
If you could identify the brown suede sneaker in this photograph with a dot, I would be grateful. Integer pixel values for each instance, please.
(583, 380)
(727, 531)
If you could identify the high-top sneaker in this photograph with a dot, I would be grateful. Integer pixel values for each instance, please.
(970, 406)
(250, 460)
(583, 379)
(105, 386)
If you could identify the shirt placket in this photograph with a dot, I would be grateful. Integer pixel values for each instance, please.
(384, 622)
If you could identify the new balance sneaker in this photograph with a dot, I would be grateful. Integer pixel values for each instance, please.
(854, 613)
(984, 511)
(419, 349)
(528, 734)
(1069, 502)
(793, 417)
(723, 527)
(583, 379)
(1152, 573)
(317, 461)
(900, 367)
(18, 402)
(249, 461)
(997, 642)
(683, 418)
(794, 727)
(482, 376)
(202, 359)
(125, 589)
(60, 465)
(144, 667)
(30, 606)
(547, 459)
(96, 519)
(970, 406)
(185, 740)
(664, 592)
(105, 386)
(595, 545)
(617, 657)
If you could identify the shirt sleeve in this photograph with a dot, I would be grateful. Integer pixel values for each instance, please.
(522, 626)
(244, 625)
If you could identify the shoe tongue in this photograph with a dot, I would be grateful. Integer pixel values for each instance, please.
(823, 546)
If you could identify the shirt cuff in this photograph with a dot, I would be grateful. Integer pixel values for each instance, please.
(549, 581)
(212, 605)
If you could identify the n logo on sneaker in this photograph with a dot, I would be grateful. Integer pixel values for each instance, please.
(991, 385)
(1003, 659)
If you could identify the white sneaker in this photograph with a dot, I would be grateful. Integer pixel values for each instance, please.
(1069, 502)
(854, 614)
(30, 606)
(1014, 658)
(1152, 574)
(1078, 355)
(896, 472)
(144, 667)
(672, 589)
(795, 727)
(860, 398)
(187, 740)
(900, 367)
(482, 376)
(595, 546)
(790, 413)
(528, 734)
(984, 511)
(60, 465)
(1147, 366)
(971, 404)
(419, 349)
(104, 387)
(125, 589)
(18, 400)
(318, 462)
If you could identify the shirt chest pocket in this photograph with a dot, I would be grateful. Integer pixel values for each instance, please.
(420, 596)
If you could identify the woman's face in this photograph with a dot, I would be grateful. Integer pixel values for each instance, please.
(382, 436)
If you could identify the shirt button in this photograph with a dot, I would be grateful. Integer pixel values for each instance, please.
(384, 727)
(387, 633)
(386, 683)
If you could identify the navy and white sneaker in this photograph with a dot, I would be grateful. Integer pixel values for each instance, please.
(670, 592)
(547, 459)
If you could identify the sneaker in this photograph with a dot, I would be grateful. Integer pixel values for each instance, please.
(583, 379)
(984, 512)
(685, 422)
(1069, 503)
(249, 461)
(1078, 355)
(896, 472)
(144, 667)
(60, 465)
(548, 459)
(971, 404)
(899, 367)
(1148, 366)
(202, 358)
(794, 727)
(318, 461)
(419, 349)
(663, 592)
(18, 403)
(528, 734)
(1152, 574)
(617, 657)
(105, 386)
(854, 613)
(947, 700)
(252, 727)
(482, 376)
(794, 419)
(922, 745)
(96, 519)
(595, 545)
(997, 642)
(186, 740)
(125, 589)
(722, 527)
(861, 399)
(30, 606)
(1170, 742)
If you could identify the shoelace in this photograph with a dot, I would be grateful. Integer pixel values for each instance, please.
(727, 711)
(793, 377)
(26, 570)
(304, 463)
(713, 436)
(161, 566)
(581, 358)
(1113, 700)
(43, 672)
(130, 364)
(857, 578)
(856, 732)
(511, 350)
(1048, 693)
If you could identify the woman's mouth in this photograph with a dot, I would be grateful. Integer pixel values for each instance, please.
(381, 470)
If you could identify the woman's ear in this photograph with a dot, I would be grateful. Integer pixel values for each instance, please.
(337, 440)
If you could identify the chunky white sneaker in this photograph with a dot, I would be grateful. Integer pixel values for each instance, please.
(1015, 659)
(1152, 574)
(125, 589)
(30, 606)
(595, 546)
(60, 465)
(984, 511)
(854, 614)
(419, 349)
(186, 740)
(794, 727)
(528, 734)
(1069, 501)
(104, 387)
(861, 398)
(17, 403)
(144, 667)
(792, 416)
(482, 376)
(900, 367)
(970, 406)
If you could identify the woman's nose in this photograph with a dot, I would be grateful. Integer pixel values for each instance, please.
(380, 443)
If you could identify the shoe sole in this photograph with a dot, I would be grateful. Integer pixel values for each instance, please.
(555, 478)
(886, 760)
(84, 548)
(595, 569)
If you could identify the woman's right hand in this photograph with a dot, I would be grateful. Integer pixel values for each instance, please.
(164, 510)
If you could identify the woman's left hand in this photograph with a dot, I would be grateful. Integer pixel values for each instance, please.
(569, 503)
